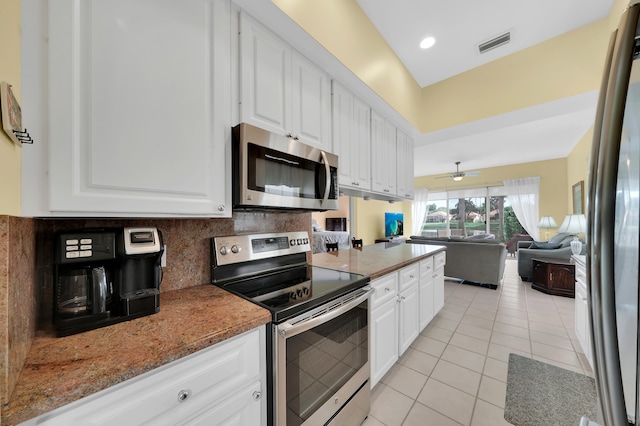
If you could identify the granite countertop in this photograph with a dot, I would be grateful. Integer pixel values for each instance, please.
(61, 370)
(375, 260)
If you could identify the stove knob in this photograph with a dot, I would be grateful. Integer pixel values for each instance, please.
(299, 241)
(235, 249)
(292, 242)
(292, 295)
(306, 241)
(299, 292)
(305, 291)
(224, 250)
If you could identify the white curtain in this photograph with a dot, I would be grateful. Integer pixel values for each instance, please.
(524, 198)
(419, 210)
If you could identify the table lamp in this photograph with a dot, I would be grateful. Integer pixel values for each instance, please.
(574, 224)
(547, 222)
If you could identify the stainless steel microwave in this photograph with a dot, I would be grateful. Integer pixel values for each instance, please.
(275, 171)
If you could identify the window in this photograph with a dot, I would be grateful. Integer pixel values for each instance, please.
(471, 212)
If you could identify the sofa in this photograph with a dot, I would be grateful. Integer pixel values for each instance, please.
(558, 247)
(478, 259)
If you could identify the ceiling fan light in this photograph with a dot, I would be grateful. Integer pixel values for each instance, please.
(457, 178)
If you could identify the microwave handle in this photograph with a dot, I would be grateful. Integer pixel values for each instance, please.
(327, 168)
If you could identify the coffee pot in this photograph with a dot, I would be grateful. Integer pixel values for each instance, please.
(105, 276)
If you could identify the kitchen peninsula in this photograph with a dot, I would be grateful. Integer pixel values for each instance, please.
(408, 291)
(376, 260)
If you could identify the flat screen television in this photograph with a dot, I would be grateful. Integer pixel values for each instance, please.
(336, 223)
(393, 225)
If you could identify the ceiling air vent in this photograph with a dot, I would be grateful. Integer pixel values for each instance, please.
(495, 42)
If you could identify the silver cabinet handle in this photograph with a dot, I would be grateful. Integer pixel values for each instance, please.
(257, 395)
(183, 395)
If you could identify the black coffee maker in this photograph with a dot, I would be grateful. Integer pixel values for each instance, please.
(105, 276)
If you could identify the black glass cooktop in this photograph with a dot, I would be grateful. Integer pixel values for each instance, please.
(293, 291)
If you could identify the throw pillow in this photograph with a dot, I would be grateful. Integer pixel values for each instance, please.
(544, 246)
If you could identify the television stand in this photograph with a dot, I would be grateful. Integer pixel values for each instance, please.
(395, 240)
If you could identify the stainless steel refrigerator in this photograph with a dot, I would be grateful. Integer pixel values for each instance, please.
(613, 226)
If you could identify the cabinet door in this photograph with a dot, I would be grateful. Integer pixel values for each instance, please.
(139, 119)
(361, 145)
(404, 166)
(242, 408)
(311, 103)
(384, 339)
(438, 290)
(409, 305)
(342, 133)
(426, 291)
(265, 78)
(383, 155)
(378, 161)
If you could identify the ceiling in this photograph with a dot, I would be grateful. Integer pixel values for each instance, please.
(538, 133)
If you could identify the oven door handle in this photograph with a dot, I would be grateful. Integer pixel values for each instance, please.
(286, 330)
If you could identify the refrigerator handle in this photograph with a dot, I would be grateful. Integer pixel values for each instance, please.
(601, 213)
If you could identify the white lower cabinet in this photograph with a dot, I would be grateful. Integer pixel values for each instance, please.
(402, 304)
(426, 291)
(439, 261)
(408, 307)
(222, 384)
(384, 326)
(582, 324)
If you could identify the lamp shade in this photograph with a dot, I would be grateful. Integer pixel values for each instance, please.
(574, 224)
(547, 222)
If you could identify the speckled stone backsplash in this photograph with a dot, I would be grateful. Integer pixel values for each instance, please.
(18, 298)
(26, 280)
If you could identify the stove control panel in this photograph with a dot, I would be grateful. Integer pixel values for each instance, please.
(243, 248)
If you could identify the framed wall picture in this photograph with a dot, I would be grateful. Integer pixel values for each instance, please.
(578, 198)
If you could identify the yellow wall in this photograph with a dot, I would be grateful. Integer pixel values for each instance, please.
(369, 218)
(10, 72)
(345, 30)
(564, 66)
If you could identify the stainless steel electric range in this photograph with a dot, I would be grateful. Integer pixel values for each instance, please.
(317, 343)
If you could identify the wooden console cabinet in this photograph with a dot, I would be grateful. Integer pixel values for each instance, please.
(554, 276)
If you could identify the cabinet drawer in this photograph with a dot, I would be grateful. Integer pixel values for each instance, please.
(408, 276)
(385, 287)
(426, 268)
(439, 260)
(187, 385)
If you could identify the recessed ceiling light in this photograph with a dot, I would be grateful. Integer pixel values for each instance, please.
(427, 42)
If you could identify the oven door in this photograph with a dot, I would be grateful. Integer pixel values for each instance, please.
(276, 171)
(321, 363)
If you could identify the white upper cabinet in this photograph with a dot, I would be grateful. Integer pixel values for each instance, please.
(138, 110)
(404, 167)
(351, 138)
(280, 90)
(383, 155)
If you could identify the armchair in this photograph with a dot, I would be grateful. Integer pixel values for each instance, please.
(558, 247)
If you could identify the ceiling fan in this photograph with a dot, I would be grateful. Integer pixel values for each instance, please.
(458, 175)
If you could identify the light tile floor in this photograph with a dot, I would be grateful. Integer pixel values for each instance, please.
(455, 372)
